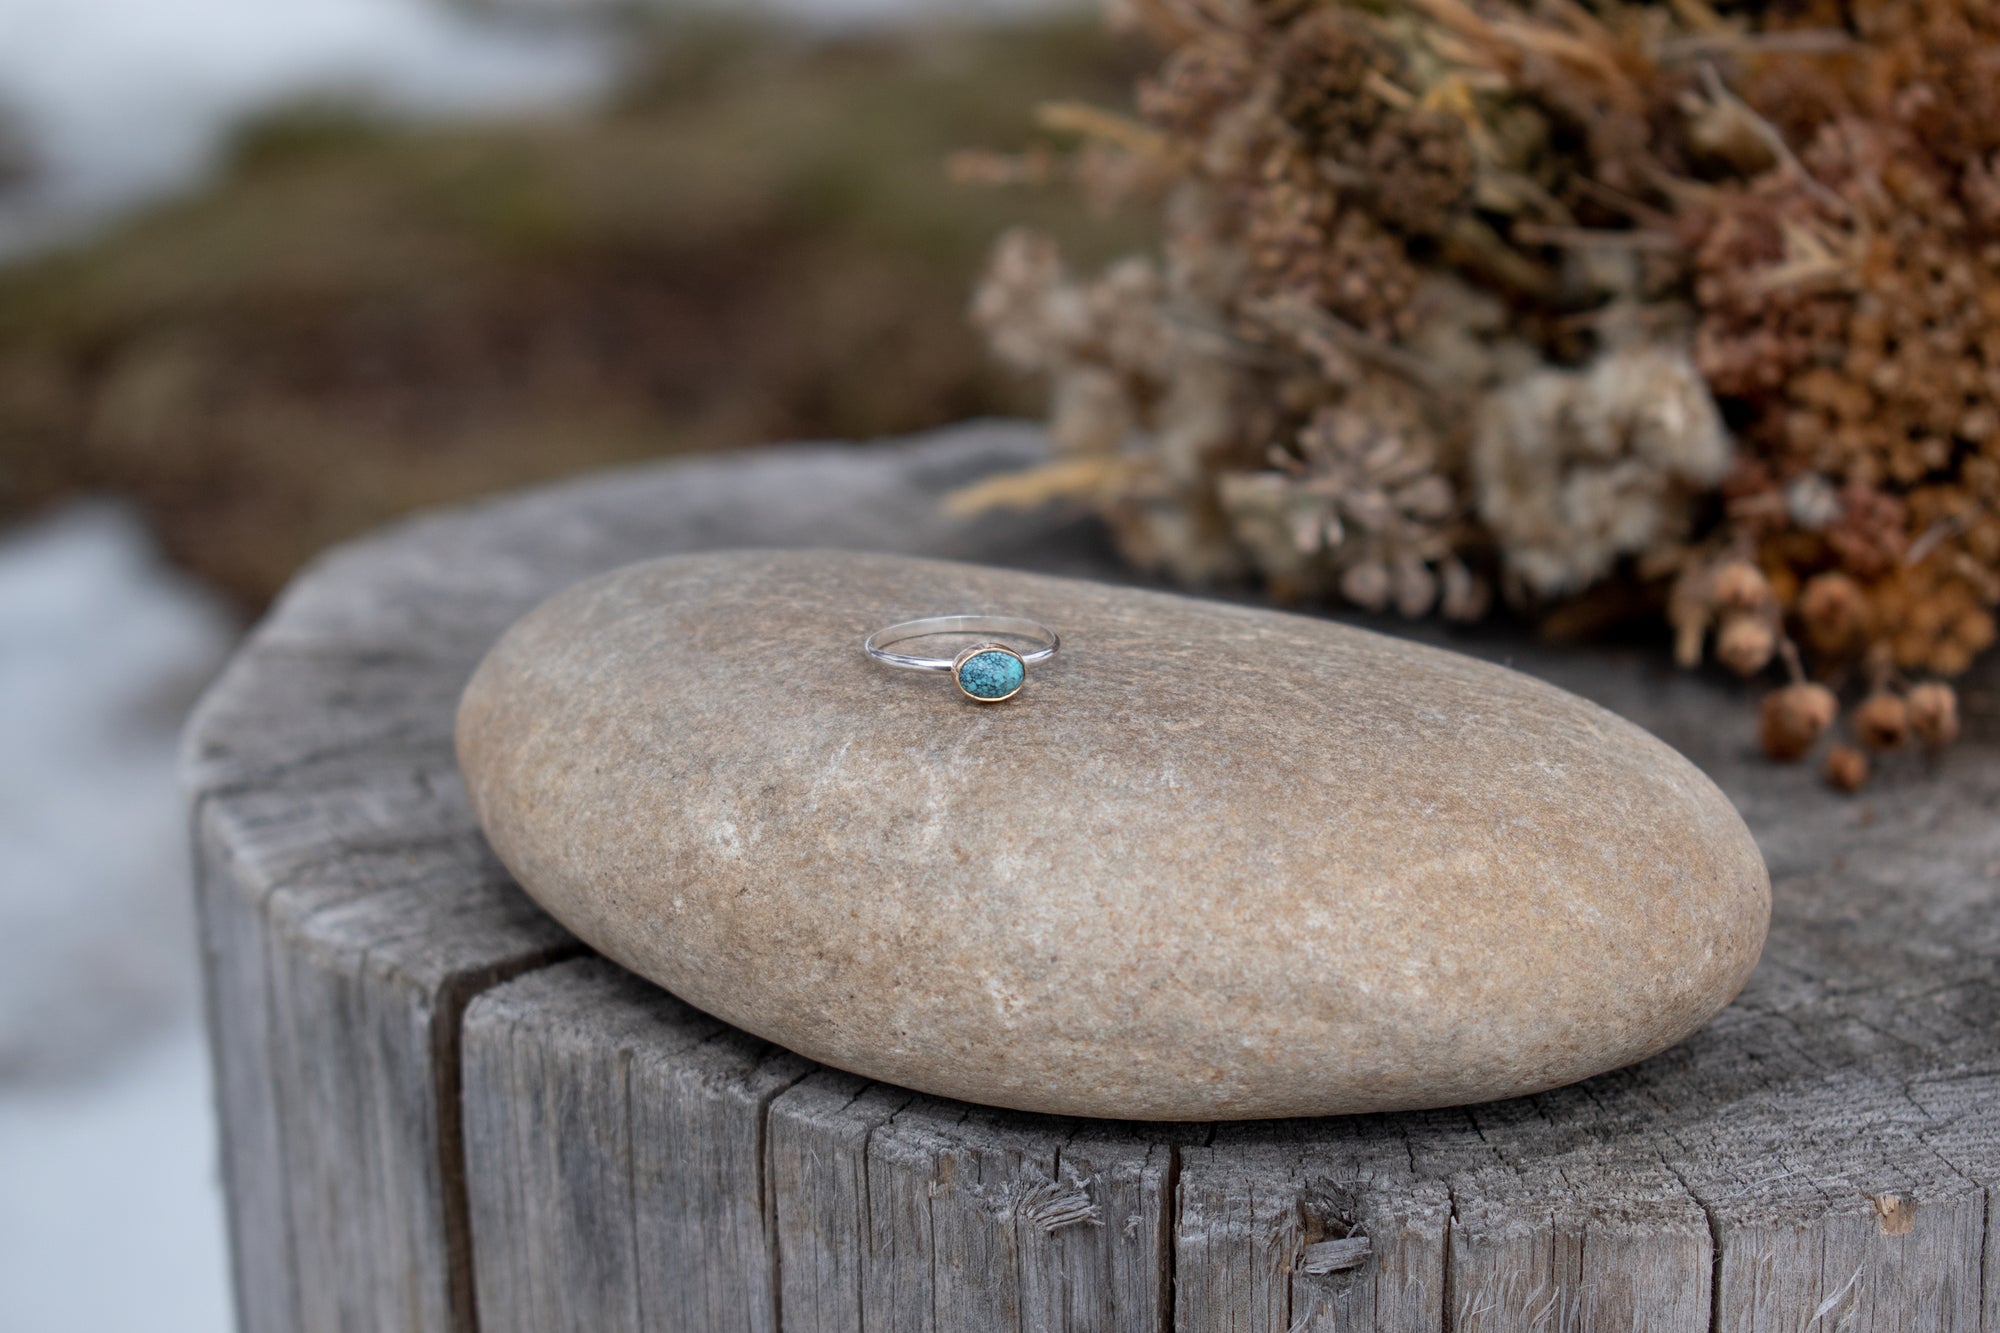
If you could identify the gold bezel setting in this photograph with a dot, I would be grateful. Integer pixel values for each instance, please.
(980, 650)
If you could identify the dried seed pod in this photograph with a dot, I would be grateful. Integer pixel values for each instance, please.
(1368, 585)
(1690, 608)
(1835, 611)
(1741, 586)
(1882, 722)
(1416, 589)
(1846, 768)
(1745, 642)
(1933, 711)
(1465, 595)
(1794, 717)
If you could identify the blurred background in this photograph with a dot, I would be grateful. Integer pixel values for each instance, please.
(273, 274)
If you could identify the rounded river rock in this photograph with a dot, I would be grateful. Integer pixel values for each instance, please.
(1212, 862)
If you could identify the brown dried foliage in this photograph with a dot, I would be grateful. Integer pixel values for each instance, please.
(1470, 293)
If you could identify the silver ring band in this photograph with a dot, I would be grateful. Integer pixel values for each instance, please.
(877, 644)
(988, 671)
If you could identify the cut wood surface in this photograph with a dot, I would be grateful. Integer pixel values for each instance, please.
(441, 1113)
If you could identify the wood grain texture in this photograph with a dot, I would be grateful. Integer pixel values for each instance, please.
(439, 1116)
(616, 1175)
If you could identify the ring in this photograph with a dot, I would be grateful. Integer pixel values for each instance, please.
(987, 671)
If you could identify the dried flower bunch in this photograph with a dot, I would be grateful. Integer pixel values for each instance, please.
(1693, 307)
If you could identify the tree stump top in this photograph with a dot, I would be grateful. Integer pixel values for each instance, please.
(441, 1113)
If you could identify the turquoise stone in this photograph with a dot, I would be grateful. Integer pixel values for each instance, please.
(991, 675)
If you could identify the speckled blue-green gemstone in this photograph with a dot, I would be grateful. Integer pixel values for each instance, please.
(991, 675)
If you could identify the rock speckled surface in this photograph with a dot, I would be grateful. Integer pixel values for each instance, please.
(1214, 862)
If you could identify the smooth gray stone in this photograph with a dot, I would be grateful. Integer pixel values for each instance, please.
(1213, 862)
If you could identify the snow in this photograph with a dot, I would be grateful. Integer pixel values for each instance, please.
(110, 1217)
(111, 1220)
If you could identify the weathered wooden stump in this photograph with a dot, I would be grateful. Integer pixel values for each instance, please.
(441, 1114)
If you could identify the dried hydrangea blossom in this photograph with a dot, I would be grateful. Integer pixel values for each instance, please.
(1577, 469)
(1699, 303)
(1357, 504)
(1156, 402)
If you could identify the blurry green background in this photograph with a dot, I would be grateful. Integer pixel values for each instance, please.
(752, 237)
(272, 274)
